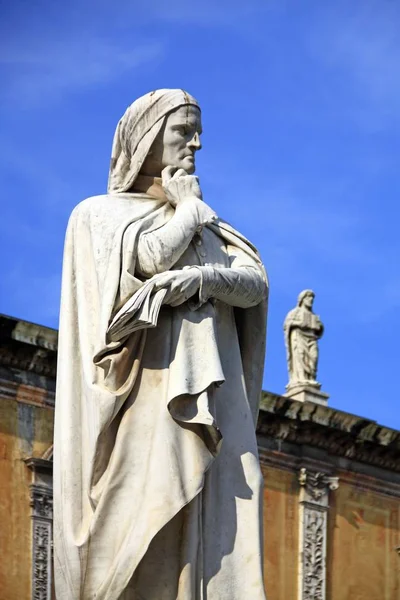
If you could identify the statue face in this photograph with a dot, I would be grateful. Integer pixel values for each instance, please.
(177, 142)
(308, 301)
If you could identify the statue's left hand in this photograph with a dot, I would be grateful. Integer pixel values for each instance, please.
(180, 285)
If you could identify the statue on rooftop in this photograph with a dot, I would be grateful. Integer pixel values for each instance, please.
(302, 330)
(157, 483)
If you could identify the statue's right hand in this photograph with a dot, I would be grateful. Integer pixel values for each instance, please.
(179, 186)
(181, 284)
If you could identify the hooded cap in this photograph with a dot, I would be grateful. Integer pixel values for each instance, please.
(303, 294)
(136, 132)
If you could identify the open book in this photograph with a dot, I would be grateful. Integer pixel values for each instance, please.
(139, 312)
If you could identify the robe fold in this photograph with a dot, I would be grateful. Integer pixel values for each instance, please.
(157, 484)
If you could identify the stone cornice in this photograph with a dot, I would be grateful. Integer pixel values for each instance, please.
(28, 348)
(337, 433)
(28, 360)
(40, 465)
(28, 333)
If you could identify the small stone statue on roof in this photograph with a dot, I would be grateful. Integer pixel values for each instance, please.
(302, 330)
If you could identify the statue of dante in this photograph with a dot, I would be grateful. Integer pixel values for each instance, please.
(158, 489)
(302, 330)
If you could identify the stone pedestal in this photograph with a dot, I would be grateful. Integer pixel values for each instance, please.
(307, 393)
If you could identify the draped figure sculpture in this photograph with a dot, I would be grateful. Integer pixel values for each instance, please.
(157, 484)
(302, 330)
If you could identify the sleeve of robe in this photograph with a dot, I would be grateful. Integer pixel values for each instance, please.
(158, 250)
(242, 285)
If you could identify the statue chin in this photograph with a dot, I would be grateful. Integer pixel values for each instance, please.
(188, 165)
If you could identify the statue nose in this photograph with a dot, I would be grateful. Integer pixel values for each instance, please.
(195, 142)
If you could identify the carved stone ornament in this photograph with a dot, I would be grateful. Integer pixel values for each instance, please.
(42, 362)
(42, 530)
(314, 493)
(314, 555)
(317, 485)
(41, 502)
(41, 574)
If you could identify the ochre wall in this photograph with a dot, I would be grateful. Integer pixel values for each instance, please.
(25, 430)
(280, 533)
(363, 536)
(363, 526)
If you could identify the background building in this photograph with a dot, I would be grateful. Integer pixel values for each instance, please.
(332, 487)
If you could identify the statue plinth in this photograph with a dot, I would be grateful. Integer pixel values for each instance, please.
(307, 393)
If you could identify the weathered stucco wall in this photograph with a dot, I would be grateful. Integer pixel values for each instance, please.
(363, 534)
(280, 533)
(25, 430)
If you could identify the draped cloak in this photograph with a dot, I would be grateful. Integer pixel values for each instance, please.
(142, 443)
(302, 329)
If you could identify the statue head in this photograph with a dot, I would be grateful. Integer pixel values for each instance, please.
(176, 143)
(159, 129)
(306, 299)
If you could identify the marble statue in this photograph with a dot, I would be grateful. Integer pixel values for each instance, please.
(157, 483)
(302, 330)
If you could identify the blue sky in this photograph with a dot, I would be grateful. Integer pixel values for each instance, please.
(301, 119)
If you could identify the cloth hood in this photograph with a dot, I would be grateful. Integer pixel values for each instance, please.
(136, 132)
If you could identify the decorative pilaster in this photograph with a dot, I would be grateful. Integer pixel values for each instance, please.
(42, 544)
(314, 496)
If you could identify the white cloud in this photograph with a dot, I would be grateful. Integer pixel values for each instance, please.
(50, 52)
(44, 69)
